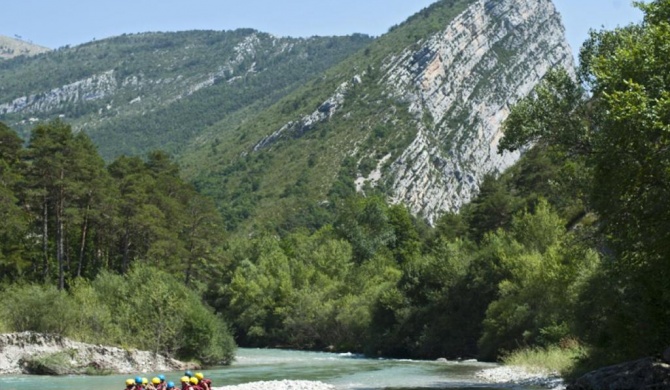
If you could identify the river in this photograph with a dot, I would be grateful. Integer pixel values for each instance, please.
(343, 371)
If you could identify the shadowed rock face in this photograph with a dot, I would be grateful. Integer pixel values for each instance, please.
(641, 374)
(466, 78)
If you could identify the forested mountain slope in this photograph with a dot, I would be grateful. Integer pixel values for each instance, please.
(415, 117)
(14, 47)
(137, 93)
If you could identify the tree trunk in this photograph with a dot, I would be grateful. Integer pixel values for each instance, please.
(60, 236)
(82, 246)
(45, 237)
(126, 252)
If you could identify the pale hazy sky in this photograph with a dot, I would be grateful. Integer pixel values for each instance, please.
(56, 23)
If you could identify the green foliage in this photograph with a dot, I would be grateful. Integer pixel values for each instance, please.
(553, 359)
(15, 219)
(544, 276)
(146, 309)
(620, 137)
(567, 248)
(37, 308)
(557, 102)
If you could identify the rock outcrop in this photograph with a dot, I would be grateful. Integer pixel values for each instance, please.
(458, 85)
(30, 352)
(466, 78)
(647, 373)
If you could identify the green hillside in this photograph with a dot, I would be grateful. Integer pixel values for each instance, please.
(14, 47)
(137, 93)
(560, 263)
(293, 181)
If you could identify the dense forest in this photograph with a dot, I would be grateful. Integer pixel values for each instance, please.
(567, 250)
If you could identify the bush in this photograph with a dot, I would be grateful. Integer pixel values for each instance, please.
(38, 308)
(146, 309)
(560, 359)
(206, 337)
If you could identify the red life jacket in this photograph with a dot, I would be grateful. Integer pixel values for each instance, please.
(205, 383)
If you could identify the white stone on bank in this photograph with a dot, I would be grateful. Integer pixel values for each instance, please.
(279, 385)
(521, 376)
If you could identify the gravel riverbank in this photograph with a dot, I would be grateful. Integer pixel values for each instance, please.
(279, 385)
(521, 376)
(504, 375)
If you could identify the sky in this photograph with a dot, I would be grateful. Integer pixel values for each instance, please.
(56, 23)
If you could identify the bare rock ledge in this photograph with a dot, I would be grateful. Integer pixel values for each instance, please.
(36, 353)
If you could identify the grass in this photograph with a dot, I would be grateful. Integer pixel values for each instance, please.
(550, 359)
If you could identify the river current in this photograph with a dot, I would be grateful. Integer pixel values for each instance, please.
(343, 371)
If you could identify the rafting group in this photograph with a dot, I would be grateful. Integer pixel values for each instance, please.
(188, 382)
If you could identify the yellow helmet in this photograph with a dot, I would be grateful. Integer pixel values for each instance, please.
(130, 382)
(194, 380)
(145, 381)
(199, 375)
(184, 379)
(156, 381)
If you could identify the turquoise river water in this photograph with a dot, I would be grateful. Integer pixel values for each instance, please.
(343, 371)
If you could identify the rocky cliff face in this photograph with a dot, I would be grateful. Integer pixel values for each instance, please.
(141, 90)
(36, 353)
(465, 79)
(458, 86)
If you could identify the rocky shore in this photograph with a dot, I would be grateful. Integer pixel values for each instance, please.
(514, 375)
(648, 373)
(279, 385)
(36, 353)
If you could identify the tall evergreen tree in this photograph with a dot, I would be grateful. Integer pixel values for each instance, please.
(14, 218)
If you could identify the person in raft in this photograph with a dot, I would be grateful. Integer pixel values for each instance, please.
(138, 383)
(203, 382)
(130, 384)
(161, 384)
(185, 385)
(154, 382)
(195, 384)
(170, 386)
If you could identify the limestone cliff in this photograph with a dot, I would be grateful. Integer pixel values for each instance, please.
(466, 78)
(458, 86)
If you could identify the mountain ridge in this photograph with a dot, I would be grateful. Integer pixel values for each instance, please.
(14, 47)
(279, 130)
(410, 145)
(139, 92)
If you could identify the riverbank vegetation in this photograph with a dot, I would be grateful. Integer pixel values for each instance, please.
(146, 309)
(566, 252)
